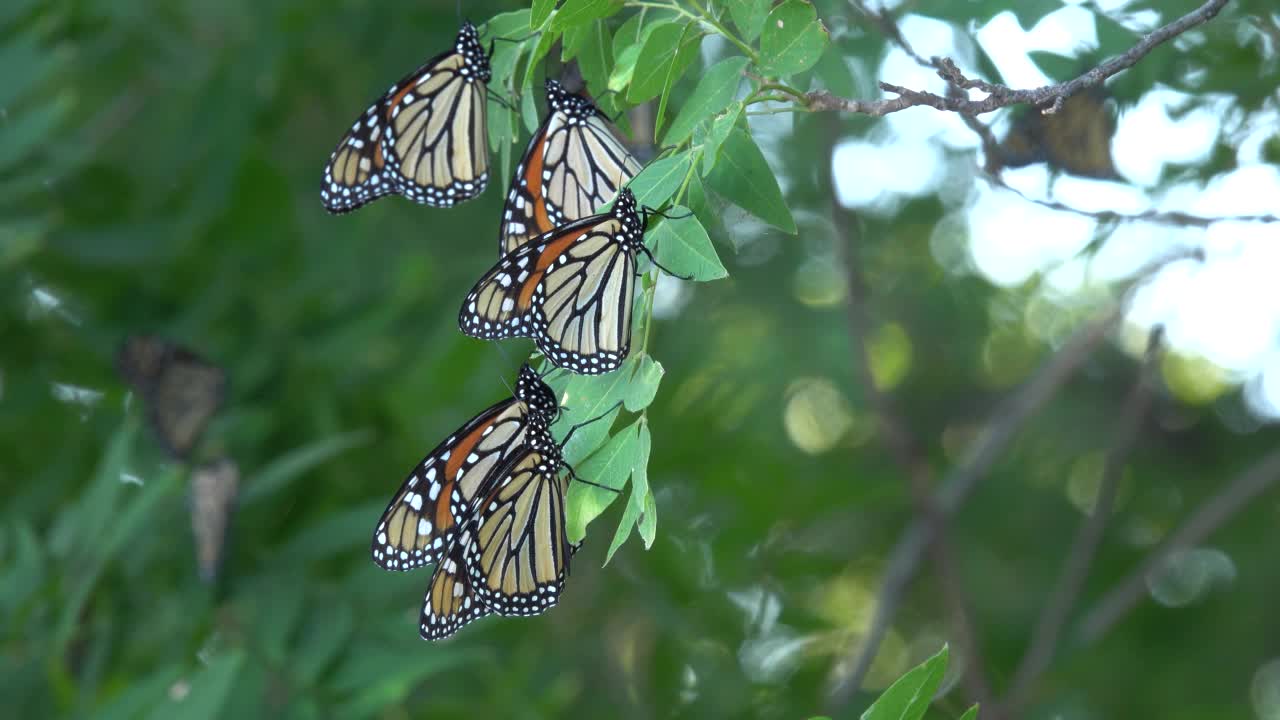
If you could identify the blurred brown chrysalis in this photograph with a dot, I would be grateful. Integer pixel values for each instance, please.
(181, 391)
(214, 487)
(1075, 140)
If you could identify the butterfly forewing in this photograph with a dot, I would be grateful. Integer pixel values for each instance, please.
(424, 516)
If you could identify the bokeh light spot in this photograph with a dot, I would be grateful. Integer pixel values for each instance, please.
(1264, 691)
(817, 415)
(889, 351)
(1188, 575)
(1193, 379)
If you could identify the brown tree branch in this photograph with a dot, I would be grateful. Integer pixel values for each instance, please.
(903, 445)
(960, 483)
(1049, 97)
(1236, 496)
(1062, 598)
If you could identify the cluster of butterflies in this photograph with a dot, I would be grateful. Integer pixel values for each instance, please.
(487, 506)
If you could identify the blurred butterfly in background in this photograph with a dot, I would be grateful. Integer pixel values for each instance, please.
(214, 488)
(1075, 140)
(570, 289)
(180, 391)
(426, 138)
(574, 164)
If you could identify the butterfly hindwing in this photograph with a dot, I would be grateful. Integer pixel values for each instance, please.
(354, 174)
(436, 147)
(450, 602)
(519, 557)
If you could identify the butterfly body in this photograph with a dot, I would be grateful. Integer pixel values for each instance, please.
(426, 138)
(570, 289)
(181, 390)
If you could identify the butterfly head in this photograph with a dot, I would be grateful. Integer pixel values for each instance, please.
(468, 44)
(533, 392)
(627, 211)
(561, 100)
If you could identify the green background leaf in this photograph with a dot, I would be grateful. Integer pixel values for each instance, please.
(793, 39)
(743, 176)
(908, 698)
(715, 91)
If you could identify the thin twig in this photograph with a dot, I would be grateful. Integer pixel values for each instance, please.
(959, 484)
(905, 448)
(1154, 216)
(1061, 600)
(1236, 496)
(1049, 97)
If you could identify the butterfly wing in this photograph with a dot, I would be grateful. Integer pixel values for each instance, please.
(570, 290)
(354, 175)
(520, 555)
(181, 391)
(425, 514)
(574, 164)
(450, 602)
(436, 146)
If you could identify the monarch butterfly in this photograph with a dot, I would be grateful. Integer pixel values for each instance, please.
(181, 391)
(569, 289)
(214, 487)
(450, 601)
(426, 513)
(573, 165)
(425, 138)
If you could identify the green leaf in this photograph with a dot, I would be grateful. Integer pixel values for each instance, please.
(659, 53)
(687, 50)
(501, 130)
(291, 466)
(749, 15)
(545, 41)
(715, 91)
(580, 12)
(609, 466)
(587, 397)
(701, 205)
(529, 111)
(541, 11)
(649, 520)
(908, 698)
(590, 44)
(835, 73)
(660, 179)
(971, 713)
(643, 385)
(793, 39)
(624, 68)
(683, 246)
(25, 131)
(510, 25)
(210, 689)
(639, 489)
(720, 127)
(743, 176)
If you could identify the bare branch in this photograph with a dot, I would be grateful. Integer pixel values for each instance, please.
(1236, 496)
(905, 448)
(1049, 97)
(1062, 598)
(1108, 216)
(960, 483)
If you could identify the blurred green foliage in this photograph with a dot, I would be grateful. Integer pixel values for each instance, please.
(159, 172)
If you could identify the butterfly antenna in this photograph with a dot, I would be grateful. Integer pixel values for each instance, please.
(574, 474)
(585, 423)
(659, 213)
